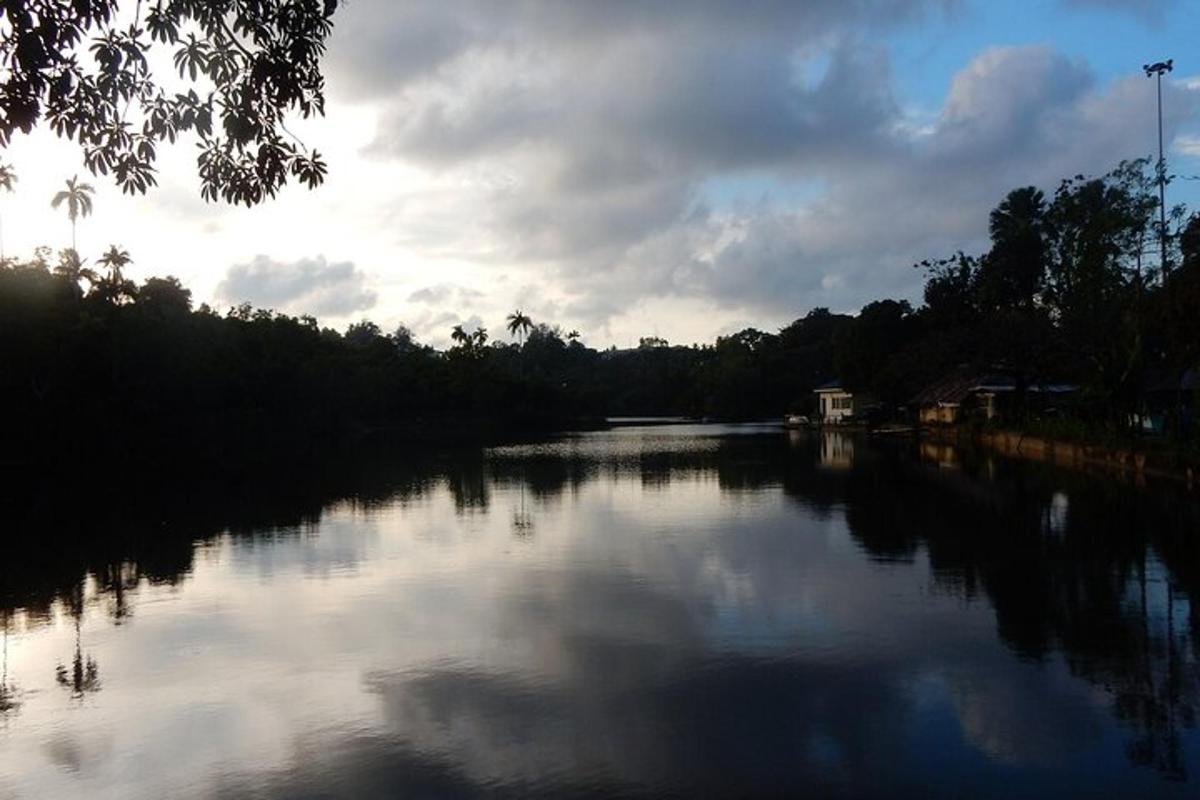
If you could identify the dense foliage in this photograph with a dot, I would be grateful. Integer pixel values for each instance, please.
(120, 363)
(1064, 294)
(85, 68)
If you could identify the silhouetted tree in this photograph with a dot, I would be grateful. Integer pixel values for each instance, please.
(519, 324)
(1099, 230)
(78, 199)
(1012, 273)
(363, 334)
(115, 287)
(404, 340)
(78, 68)
(863, 349)
(164, 298)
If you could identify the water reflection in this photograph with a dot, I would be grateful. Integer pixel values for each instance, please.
(8, 692)
(837, 450)
(703, 610)
(83, 676)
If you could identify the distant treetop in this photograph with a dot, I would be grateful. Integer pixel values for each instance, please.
(83, 66)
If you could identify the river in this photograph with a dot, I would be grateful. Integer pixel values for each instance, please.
(677, 610)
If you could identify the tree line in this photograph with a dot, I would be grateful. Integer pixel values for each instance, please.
(1069, 290)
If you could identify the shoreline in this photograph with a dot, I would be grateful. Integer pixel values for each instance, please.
(1165, 463)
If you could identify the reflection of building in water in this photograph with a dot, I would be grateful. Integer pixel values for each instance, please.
(940, 453)
(1054, 522)
(837, 450)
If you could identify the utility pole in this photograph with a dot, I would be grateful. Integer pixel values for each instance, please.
(1157, 69)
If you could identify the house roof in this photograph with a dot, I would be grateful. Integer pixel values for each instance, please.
(957, 386)
(830, 386)
(954, 387)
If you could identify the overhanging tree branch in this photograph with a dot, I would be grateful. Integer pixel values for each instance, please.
(261, 66)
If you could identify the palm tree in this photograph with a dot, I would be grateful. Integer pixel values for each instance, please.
(115, 260)
(573, 336)
(1017, 260)
(78, 197)
(519, 324)
(114, 286)
(469, 344)
(8, 179)
(71, 267)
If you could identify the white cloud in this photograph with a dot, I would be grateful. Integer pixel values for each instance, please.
(308, 286)
(600, 142)
(1188, 145)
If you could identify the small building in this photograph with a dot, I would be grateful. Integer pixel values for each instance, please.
(986, 395)
(1167, 401)
(836, 404)
(946, 401)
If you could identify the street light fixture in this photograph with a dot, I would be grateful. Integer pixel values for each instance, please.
(1157, 69)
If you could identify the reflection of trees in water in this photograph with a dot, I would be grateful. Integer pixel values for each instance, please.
(8, 692)
(117, 580)
(522, 519)
(1090, 572)
(83, 676)
(738, 463)
(71, 532)
(468, 484)
(1070, 564)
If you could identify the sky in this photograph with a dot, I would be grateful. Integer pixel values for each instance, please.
(630, 169)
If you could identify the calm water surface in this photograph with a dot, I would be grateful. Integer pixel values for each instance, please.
(679, 610)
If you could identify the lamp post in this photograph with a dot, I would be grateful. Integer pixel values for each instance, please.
(1157, 69)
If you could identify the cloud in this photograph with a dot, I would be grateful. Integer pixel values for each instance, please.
(308, 286)
(401, 44)
(1188, 145)
(433, 327)
(588, 145)
(444, 293)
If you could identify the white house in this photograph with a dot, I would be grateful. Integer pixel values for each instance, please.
(834, 404)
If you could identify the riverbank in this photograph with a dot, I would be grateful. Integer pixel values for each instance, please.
(1137, 460)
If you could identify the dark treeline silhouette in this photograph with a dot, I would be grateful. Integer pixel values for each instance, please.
(1066, 292)
(119, 368)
